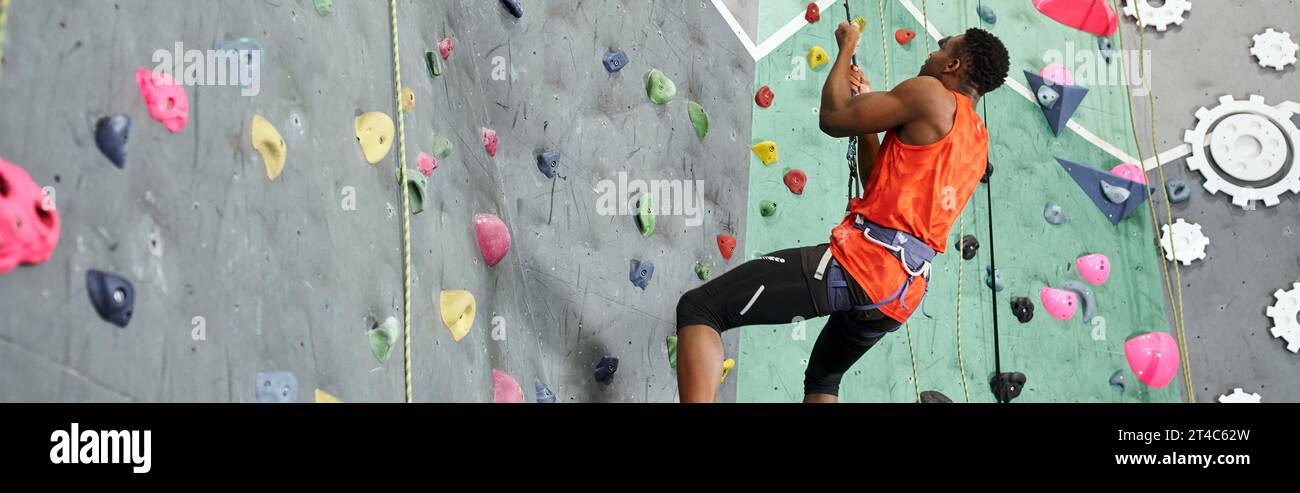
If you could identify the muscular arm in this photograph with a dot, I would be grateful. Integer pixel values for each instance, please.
(875, 112)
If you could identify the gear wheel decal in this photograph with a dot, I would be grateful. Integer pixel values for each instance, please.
(1239, 396)
(1274, 49)
(1283, 313)
(1190, 243)
(1172, 12)
(1248, 140)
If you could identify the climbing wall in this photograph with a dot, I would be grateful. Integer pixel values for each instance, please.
(290, 274)
(954, 353)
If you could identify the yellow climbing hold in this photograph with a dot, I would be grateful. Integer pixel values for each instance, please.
(861, 23)
(323, 397)
(457, 312)
(408, 100)
(817, 57)
(269, 143)
(375, 133)
(726, 368)
(766, 150)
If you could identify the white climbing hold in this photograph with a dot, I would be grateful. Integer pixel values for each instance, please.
(1188, 239)
(1239, 396)
(1172, 12)
(1283, 312)
(1248, 142)
(1274, 49)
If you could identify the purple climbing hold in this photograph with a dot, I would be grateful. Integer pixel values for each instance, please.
(112, 296)
(1066, 100)
(548, 161)
(514, 7)
(276, 387)
(544, 394)
(605, 369)
(641, 273)
(110, 136)
(615, 61)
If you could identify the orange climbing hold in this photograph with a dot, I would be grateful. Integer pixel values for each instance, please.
(726, 245)
(904, 36)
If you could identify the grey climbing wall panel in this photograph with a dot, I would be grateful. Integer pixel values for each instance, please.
(284, 277)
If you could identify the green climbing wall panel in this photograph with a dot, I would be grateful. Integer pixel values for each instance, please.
(1066, 361)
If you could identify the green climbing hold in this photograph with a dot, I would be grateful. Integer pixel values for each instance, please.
(699, 118)
(645, 216)
(417, 183)
(702, 271)
(434, 63)
(660, 88)
(442, 146)
(767, 208)
(323, 7)
(383, 337)
(672, 351)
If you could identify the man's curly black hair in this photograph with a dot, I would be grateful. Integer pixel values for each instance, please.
(985, 58)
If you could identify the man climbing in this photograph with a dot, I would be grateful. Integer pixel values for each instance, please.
(918, 179)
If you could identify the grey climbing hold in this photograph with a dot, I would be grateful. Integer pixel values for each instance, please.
(382, 339)
(986, 14)
(548, 161)
(605, 369)
(1085, 297)
(544, 394)
(615, 61)
(934, 397)
(1117, 380)
(1114, 194)
(1007, 386)
(994, 279)
(767, 208)
(1053, 214)
(514, 8)
(1178, 190)
(1047, 96)
(640, 273)
(969, 246)
(112, 296)
(277, 387)
(1106, 48)
(111, 133)
(1023, 309)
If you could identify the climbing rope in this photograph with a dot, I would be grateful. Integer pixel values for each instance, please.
(406, 213)
(4, 15)
(1170, 291)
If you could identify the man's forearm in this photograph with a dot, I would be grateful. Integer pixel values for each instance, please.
(835, 93)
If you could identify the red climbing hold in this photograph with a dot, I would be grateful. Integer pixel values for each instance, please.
(795, 180)
(493, 237)
(167, 101)
(904, 36)
(726, 245)
(445, 46)
(490, 141)
(814, 13)
(764, 97)
(29, 223)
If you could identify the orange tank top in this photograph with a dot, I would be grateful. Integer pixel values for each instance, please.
(916, 189)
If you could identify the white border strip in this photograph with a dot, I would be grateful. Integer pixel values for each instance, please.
(1178, 152)
(735, 28)
(772, 42)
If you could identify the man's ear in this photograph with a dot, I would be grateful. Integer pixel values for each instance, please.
(952, 66)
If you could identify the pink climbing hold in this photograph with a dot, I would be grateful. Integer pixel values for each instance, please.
(1094, 268)
(167, 101)
(1094, 16)
(1130, 172)
(1153, 357)
(29, 221)
(1060, 303)
(505, 390)
(493, 237)
(445, 46)
(490, 141)
(1057, 73)
(427, 164)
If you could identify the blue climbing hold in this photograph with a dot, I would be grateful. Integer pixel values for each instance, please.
(615, 61)
(1117, 380)
(1115, 194)
(987, 14)
(1047, 96)
(548, 161)
(249, 53)
(514, 7)
(1067, 101)
(277, 387)
(1106, 48)
(112, 296)
(1178, 190)
(1090, 180)
(544, 394)
(605, 369)
(110, 136)
(994, 279)
(641, 272)
(1054, 214)
(1086, 298)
